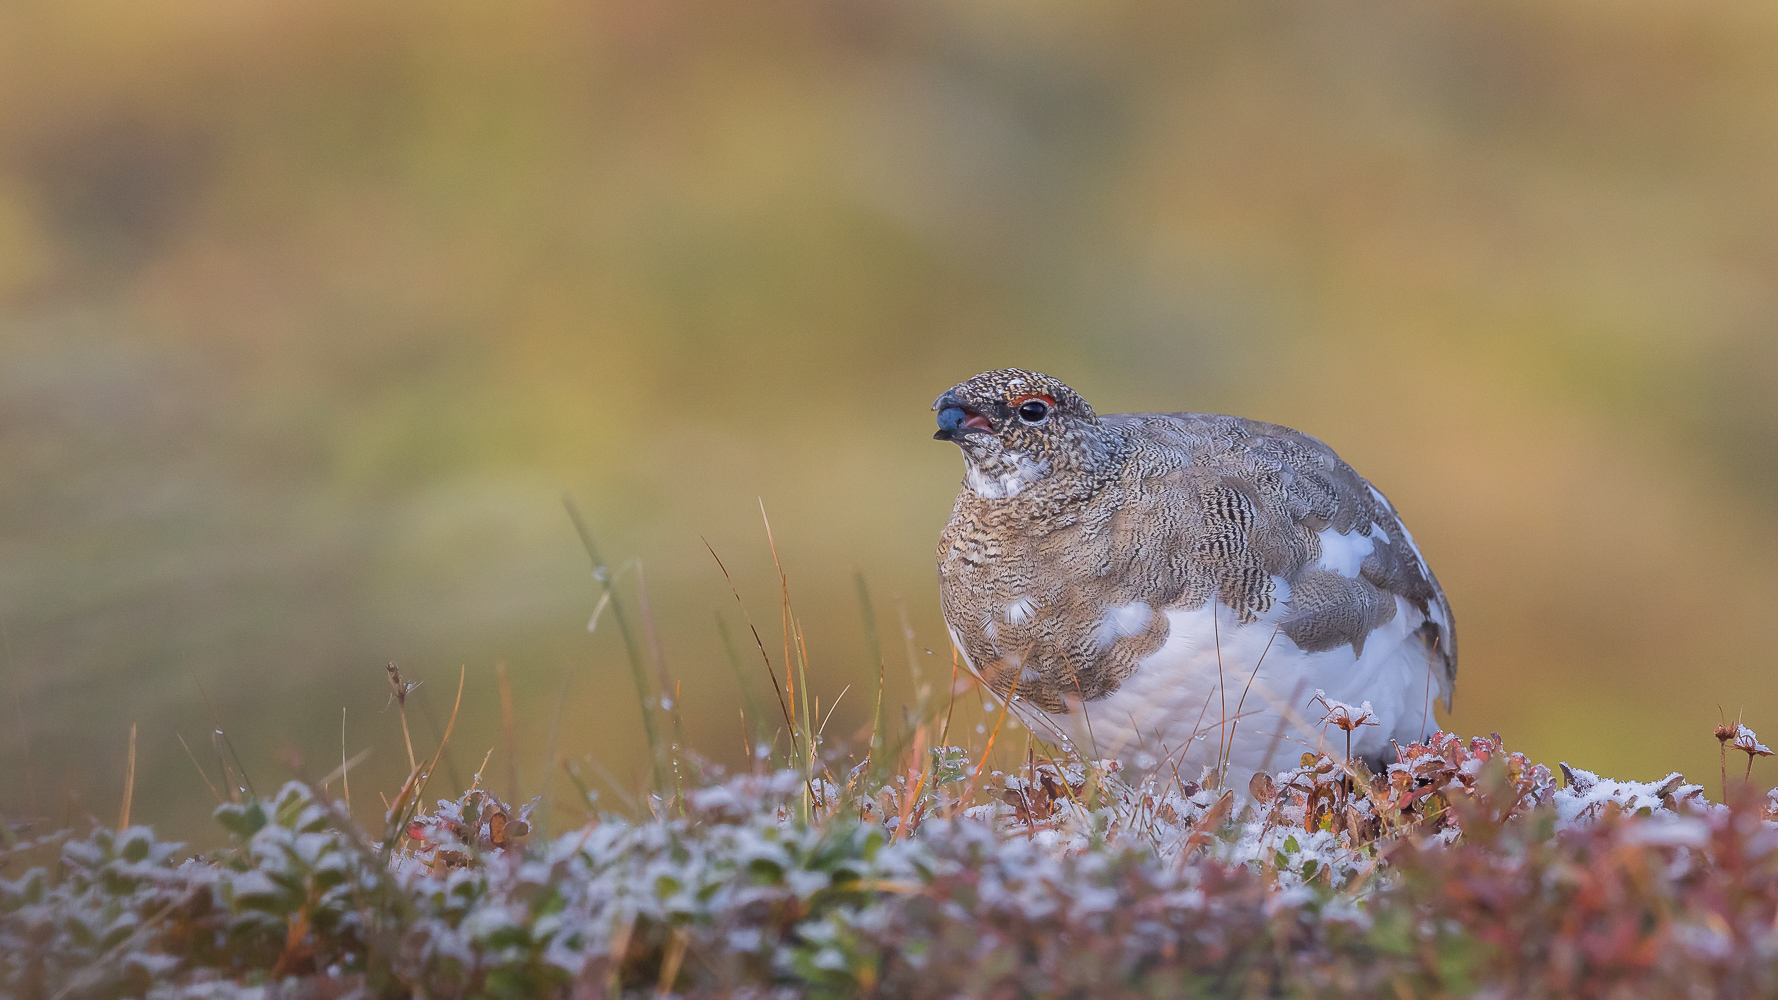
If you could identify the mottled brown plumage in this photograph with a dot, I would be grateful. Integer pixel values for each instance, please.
(1074, 534)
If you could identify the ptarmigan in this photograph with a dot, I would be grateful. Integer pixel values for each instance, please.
(1182, 586)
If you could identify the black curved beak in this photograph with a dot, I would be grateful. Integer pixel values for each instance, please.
(955, 420)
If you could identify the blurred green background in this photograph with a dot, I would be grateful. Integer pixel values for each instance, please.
(311, 312)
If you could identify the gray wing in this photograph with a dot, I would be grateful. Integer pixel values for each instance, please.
(1271, 502)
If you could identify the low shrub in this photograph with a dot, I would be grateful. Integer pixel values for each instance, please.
(1462, 870)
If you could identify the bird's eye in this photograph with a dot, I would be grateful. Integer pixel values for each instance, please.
(1032, 411)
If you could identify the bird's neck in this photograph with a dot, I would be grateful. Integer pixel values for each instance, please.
(1091, 458)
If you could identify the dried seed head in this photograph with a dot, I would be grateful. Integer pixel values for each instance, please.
(395, 682)
(400, 689)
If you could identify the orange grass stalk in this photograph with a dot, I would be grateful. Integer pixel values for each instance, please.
(792, 636)
(129, 783)
(345, 777)
(1005, 704)
(924, 759)
(874, 649)
(777, 688)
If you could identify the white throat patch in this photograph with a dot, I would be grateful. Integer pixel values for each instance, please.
(1011, 472)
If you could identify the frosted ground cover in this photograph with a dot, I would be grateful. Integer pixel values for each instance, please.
(1462, 870)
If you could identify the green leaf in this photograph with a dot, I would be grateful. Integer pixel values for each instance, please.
(243, 819)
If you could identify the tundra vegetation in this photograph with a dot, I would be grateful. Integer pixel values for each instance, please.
(906, 865)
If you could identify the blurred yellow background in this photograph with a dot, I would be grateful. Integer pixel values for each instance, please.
(311, 312)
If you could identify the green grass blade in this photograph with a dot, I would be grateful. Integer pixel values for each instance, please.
(602, 573)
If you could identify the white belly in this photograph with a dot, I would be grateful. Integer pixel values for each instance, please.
(1188, 706)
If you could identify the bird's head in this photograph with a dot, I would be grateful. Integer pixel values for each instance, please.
(1017, 428)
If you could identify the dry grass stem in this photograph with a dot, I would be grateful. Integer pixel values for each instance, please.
(671, 961)
(129, 783)
(345, 772)
(766, 658)
(982, 765)
(200, 769)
